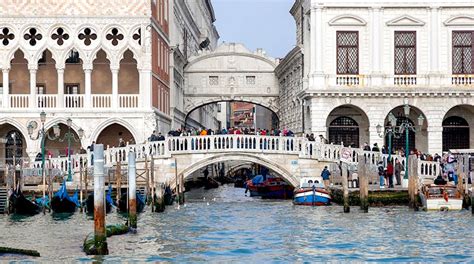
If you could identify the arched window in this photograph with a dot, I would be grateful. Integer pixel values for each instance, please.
(344, 129)
(455, 133)
(13, 144)
(400, 143)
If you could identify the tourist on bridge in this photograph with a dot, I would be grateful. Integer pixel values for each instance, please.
(390, 174)
(153, 136)
(398, 169)
(366, 146)
(376, 148)
(325, 175)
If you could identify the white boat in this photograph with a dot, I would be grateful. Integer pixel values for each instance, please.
(311, 192)
(441, 197)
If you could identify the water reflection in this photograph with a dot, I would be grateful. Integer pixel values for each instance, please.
(224, 225)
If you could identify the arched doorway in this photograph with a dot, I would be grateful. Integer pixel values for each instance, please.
(399, 143)
(349, 125)
(455, 133)
(111, 135)
(344, 129)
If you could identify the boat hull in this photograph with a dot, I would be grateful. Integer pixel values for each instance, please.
(22, 206)
(311, 198)
(90, 205)
(62, 205)
(440, 204)
(123, 203)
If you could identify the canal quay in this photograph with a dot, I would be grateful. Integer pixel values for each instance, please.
(139, 131)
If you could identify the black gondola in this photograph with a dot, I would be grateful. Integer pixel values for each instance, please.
(108, 202)
(123, 203)
(22, 206)
(62, 203)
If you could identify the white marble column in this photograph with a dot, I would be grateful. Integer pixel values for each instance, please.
(115, 97)
(6, 87)
(145, 99)
(435, 139)
(434, 47)
(60, 72)
(88, 88)
(32, 101)
(376, 75)
(312, 41)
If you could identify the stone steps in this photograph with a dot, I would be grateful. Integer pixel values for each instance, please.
(3, 199)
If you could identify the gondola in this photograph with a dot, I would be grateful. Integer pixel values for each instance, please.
(22, 206)
(210, 184)
(123, 203)
(108, 202)
(62, 202)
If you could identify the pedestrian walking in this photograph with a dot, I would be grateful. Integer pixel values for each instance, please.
(325, 175)
(398, 170)
(390, 174)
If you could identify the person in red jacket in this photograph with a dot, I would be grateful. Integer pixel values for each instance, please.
(390, 174)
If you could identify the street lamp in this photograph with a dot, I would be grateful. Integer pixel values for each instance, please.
(70, 136)
(397, 131)
(42, 134)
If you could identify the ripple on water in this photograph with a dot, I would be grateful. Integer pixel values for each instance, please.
(234, 227)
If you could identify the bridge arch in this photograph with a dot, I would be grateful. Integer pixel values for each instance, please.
(245, 157)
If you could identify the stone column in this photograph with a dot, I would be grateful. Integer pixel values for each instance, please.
(60, 72)
(115, 97)
(32, 101)
(6, 87)
(313, 43)
(435, 139)
(434, 47)
(145, 88)
(376, 78)
(88, 88)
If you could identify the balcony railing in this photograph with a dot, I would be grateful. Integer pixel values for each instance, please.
(128, 101)
(405, 80)
(74, 101)
(350, 80)
(46, 101)
(19, 100)
(101, 100)
(462, 79)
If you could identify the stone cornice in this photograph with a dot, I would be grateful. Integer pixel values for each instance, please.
(385, 94)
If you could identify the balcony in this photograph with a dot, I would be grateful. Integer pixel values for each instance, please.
(347, 80)
(70, 101)
(462, 79)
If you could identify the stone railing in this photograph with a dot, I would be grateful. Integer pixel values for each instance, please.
(19, 100)
(235, 144)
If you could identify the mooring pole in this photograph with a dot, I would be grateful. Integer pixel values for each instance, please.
(132, 199)
(344, 172)
(100, 237)
(413, 182)
(363, 185)
(153, 183)
(118, 182)
(80, 185)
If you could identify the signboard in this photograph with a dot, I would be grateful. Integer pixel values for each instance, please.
(346, 154)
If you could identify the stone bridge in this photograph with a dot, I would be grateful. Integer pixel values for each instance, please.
(289, 157)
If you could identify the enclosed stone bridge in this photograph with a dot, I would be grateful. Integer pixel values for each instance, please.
(289, 157)
(231, 73)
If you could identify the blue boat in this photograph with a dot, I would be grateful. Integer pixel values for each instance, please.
(62, 202)
(311, 192)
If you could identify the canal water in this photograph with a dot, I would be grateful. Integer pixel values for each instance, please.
(224, 225)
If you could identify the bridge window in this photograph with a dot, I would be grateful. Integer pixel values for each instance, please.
(250, 80)
(344, 129)
(213, 80)
(455, 133)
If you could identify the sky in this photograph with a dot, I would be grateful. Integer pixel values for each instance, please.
(263, 24)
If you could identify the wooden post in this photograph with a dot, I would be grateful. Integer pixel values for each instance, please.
(80, 186)
(132, 191)
(182, 188)
(153, 186)
(160, 200)
(9, 192)
(363, 185)
(413, 182)
(176, 178)
(86, 182)
(344, 172)
(118, 180)
(100, 236)
(147, 179)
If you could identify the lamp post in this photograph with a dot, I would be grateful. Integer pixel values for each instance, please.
(397, 131)
(42, 134)
(70, 136)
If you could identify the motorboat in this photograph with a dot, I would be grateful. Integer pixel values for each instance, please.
(441, 197)
(311, 192)
(269, 188)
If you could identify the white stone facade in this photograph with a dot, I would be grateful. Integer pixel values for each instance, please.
(108, 37)
(192, 29)
(367, 95)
